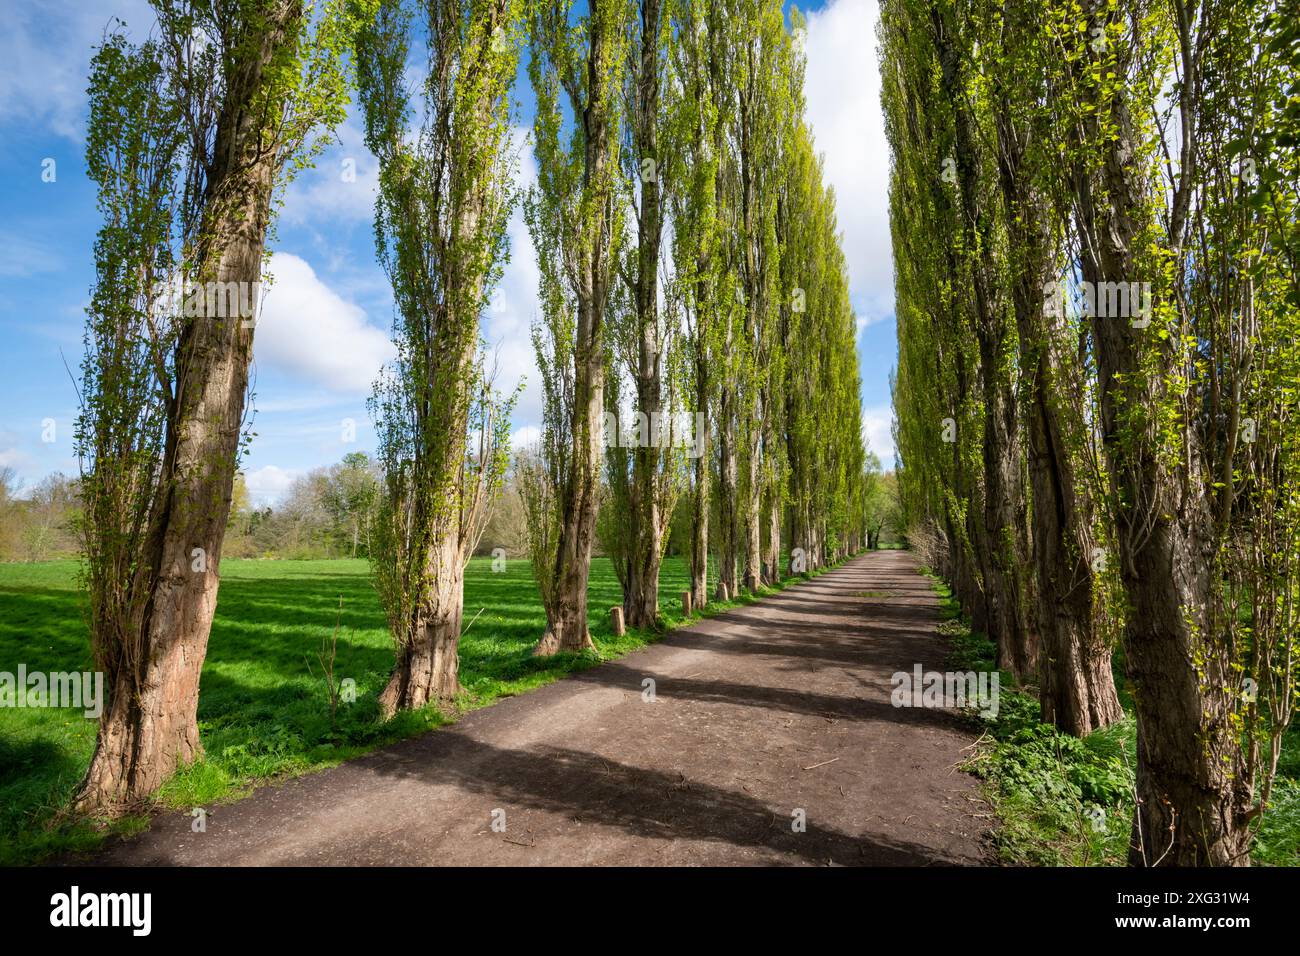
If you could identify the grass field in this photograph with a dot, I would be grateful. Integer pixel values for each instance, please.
(262, 713)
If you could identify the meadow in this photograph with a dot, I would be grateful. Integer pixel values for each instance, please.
(264, 709)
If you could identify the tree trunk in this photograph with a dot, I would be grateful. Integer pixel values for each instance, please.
(147, 731)
(148, 728)
(753, 513)
(566, 613)
(641, 602)
(727, 493)
(700, 523)
(1004, 517)
(1191, 808)
(427, 668)
(772, 564)
(1077, 689)
(1192, 801)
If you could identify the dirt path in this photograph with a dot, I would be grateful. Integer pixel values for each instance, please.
(779, 706)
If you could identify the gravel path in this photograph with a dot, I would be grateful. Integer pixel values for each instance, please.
(762, 712)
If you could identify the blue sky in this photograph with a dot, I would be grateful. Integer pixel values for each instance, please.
(323, 331)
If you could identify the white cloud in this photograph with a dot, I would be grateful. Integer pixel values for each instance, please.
(321, 196)
(525, 438)
(267, 485)
(314, 335)
(302, 401)
(45, 52)
(877, 422)
(507, 324)
(341, 187)
(842, 85)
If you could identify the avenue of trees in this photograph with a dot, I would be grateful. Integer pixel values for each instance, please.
(1094, 219)
(686, 242)
(696, 341)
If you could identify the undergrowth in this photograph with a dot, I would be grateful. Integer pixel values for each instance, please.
(1065, 801)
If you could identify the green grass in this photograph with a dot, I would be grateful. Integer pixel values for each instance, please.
(1062, 801)
(262, 714)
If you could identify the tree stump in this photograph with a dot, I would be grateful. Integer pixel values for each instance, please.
(616, 620)
(686, 603)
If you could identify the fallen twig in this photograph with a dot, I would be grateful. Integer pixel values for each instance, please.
(822, 764)
(471, 623)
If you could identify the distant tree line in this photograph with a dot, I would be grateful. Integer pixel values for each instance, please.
(39, 524)
(329, 512)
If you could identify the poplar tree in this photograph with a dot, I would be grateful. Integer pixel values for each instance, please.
(1116, 175)
(575, 220)
(700, 275)
(644, 460)
(444, 199)
(190, 134)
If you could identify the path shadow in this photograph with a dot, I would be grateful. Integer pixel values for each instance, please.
(645, 803)
(779, 699)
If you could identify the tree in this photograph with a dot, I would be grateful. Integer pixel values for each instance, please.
(9, 527)
(507, 525)
(1174, 380)
(825, 457)
(190, 133)
(440, 233)
(1113, 176)
(760, 79)
(1077, 689)
(350, 492)
(50, 518)
(640, 343)
(575, 221)
(1000, 526)
(879, 502)
(697, 106)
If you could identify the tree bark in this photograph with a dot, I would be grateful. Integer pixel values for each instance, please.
(427, 668)
(1192, 801)
(728, 558)
(1076, 686)
(700, 500)
(641, 602)
(772, 564)
(566, 612)
(566, 625)
(753, 514)
(148, 728)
